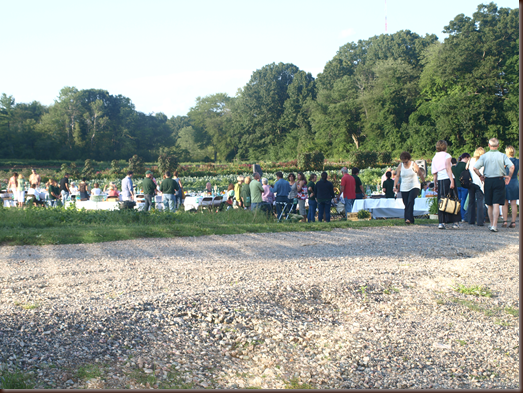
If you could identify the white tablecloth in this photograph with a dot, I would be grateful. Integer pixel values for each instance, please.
(194, 202)
(390, 207)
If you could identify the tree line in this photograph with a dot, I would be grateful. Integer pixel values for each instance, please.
(389, 93)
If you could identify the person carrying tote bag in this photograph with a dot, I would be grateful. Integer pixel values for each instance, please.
(444, 183)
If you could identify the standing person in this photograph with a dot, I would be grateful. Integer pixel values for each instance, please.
(444, 182)
(495, 179)
(21, 183)
(462, 191)
(256, 191)
(324, 195)
(179, 190)
(347, 190)
(246, 193)
(149, 190)
(267, 196)
(54, 192)
(13, 185)
(388, 185)
(476, 209)
(238, 191)
(512, 190)
(293, 194)
(302, 195)
(384, 177)
(64, 188)
(127, 187)
(168, 189)
(34, 178)
(410, 186)
(313, 204)
(83, 188)
(281, 188)
(360, 194)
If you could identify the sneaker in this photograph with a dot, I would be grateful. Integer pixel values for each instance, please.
(441, 226)
(455, 226)
(489, 227)
(493, 229)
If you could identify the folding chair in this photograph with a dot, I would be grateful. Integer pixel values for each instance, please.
(207, 202)
(283, 210)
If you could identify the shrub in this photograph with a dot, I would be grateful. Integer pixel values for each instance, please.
(385, 157)
(363, 159)
(136, 165)
(88, 170)
(166, 163)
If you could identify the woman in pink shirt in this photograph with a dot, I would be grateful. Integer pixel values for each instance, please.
(267, 195)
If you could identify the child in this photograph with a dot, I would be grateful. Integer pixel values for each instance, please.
(388, 185)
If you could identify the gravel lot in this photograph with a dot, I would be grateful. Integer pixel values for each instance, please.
(366, 308)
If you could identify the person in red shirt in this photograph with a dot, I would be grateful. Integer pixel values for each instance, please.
(347, 190)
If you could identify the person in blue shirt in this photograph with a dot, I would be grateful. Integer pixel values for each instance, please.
(281, 188)
(127, 187)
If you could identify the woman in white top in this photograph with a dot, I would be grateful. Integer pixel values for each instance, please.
(408, 171)
(476, 208)
(96, 190)
(444, 182)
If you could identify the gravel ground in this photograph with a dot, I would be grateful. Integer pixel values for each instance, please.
(366, 308)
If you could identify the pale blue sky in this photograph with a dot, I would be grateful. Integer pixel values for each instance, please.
(163, 54)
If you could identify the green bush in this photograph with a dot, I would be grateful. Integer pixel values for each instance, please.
(385, 157)
(363, 159)
(136, 165)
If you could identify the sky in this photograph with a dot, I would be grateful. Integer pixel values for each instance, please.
(162, 54)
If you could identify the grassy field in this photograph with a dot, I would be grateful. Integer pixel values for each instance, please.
(36, 226)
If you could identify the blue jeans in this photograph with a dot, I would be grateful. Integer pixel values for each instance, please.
(462, 195)
(65, 195)
(178, 200)
(312, 210)
(324, 207)
(348, 206)
(255, 206)
(169, 202)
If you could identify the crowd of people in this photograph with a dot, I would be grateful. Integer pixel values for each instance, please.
(491, 179)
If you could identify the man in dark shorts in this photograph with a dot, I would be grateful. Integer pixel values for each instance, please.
(495, 180)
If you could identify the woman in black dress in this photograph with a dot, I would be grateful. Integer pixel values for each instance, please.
(511, 190)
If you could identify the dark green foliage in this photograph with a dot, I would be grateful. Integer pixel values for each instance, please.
(115, 168)
(384, 157)
(88, 170)
(136, 166)
(312, 161)
(363, 159)
(166, 163)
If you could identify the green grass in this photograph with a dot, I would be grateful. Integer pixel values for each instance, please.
(473, 306)
(38, 226)
(475, 290)
(89, 371)
(512, 311)
(294, 383)
(15, 380)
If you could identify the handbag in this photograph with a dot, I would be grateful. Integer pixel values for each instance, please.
(450, 204)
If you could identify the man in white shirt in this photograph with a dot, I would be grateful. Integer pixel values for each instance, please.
(495, 180)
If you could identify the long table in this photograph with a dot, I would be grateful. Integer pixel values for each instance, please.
(390, 207)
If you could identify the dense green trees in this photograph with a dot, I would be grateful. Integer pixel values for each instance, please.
(387, 93)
